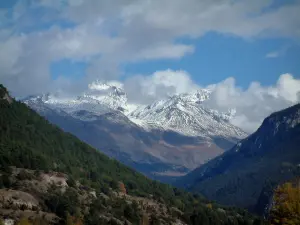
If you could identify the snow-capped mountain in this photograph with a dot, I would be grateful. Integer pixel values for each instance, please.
(182, 113)
(99, 99)
(185, 114)
(170, 136)
(111, 95)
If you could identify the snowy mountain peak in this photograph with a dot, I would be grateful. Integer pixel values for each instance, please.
(99, 98)
(110, 94)
(198, 96)
(186, 114)
(99, 85)
(50, 98)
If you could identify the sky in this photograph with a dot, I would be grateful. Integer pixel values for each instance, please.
(246, 51)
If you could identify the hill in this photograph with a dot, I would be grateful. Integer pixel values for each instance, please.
(255, 165)
(29, 142)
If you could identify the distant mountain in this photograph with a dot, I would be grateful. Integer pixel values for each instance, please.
(268, 157)
(186, 115)
(100, 98)
(163, 140)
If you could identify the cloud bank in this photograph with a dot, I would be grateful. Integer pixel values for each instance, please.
(157, 86)
(106, 34)
(252, 105)
(257, 102)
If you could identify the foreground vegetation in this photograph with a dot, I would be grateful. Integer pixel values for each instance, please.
(286, 204)
(28, 141)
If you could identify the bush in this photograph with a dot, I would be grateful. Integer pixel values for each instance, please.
(24, 175)
(286, 207)
(6, 181)
(71, 182)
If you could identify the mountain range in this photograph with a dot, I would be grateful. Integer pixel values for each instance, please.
(253, 174)
(165, 139)
(48, 176)
(245, 175)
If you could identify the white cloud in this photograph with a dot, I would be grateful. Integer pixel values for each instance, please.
(80, 42)
(279, 52)
(272, 55)
(107, 34)
(166, 51)
(252, 105)
(11, 50)
(288, 88)
(159, 85)
(241, 18)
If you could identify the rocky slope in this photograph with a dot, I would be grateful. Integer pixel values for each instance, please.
(269, 156)
(31, 195)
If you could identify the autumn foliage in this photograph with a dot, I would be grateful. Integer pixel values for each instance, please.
(209, 205)
(35, 221)
(24, 221)
(122, 188)
(286, 206)
(72, 220)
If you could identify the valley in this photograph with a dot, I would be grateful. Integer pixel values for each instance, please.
(51, 177)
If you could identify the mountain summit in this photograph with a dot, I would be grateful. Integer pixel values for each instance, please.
(186, 114)
(182, 113)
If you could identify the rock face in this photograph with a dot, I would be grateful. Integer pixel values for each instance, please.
(18, 198)
(165, 139)
(268, 157)
(4, 94)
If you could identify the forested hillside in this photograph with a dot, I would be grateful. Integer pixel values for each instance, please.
(28, 141)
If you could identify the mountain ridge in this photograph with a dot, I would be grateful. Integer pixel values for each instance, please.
(111, 97)
(237, 177)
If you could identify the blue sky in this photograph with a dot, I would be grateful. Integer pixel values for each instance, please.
(250, 41)
(216, 57)
(219, 56)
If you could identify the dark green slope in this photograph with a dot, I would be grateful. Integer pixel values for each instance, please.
(257, 164)
(27, 140)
